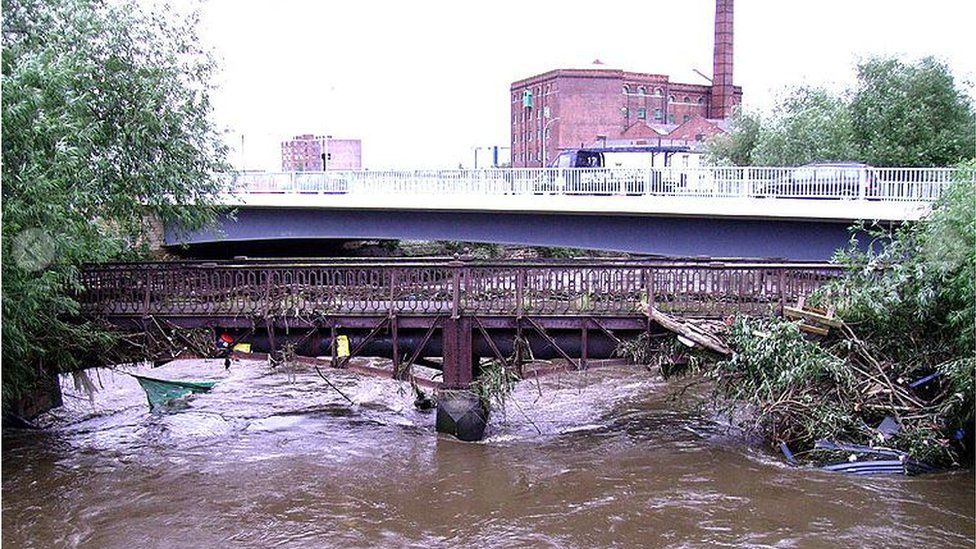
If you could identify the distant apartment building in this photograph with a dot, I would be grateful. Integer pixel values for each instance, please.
(315, 153)
(570, 108)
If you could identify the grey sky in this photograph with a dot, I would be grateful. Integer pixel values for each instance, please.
(421, 83)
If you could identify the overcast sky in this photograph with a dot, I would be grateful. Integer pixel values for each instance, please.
(422, 83)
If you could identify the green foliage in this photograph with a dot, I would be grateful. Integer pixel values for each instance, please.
(495, 384)
(906, 114)
(916, 284)
(106, 119)
(736, 147)
(808, 125)
(897, 114)
(909, 308)
(789, 380)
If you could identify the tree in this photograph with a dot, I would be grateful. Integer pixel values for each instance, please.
(106, 119)
(911, 114)
(737, 146)
(808, 125)
(897, 114)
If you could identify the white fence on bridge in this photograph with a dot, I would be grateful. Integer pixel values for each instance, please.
(912, 185)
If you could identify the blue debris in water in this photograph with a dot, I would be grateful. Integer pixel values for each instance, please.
(884, 461)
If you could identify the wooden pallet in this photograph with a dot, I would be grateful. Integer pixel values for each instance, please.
(812, 320)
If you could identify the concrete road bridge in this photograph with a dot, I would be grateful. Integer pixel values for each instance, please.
(447, 314)
(789, 213)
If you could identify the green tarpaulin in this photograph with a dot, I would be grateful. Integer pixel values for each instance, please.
(161, 391)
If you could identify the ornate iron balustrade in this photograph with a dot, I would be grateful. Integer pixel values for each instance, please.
(356, 288)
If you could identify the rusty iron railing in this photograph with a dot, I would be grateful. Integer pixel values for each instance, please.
(312, 289)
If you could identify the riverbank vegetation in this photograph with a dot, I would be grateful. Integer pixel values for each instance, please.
(106, 130)
(898, 113)
(904, 351)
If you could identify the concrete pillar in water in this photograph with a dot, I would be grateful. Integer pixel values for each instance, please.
(460, 411)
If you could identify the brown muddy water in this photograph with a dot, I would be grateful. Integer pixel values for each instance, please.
(278, 459)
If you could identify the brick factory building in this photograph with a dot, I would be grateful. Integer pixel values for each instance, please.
(570, 108)
(315, 153)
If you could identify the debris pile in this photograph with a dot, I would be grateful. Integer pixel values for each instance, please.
(813, 386)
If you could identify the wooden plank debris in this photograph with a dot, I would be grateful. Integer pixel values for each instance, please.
(701, 335)
(813, 320)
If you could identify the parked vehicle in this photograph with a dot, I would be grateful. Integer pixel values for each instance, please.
(824, 180)
(617, 170)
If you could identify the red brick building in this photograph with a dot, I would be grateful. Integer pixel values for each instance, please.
(315, 153)
(570, 108)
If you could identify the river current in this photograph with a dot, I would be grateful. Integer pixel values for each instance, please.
(274, 458)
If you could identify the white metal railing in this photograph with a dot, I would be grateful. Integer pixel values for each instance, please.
(855, 183)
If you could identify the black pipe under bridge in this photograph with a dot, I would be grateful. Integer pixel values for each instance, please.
(459, 311)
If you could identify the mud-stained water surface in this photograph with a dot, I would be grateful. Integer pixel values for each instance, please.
(270, 458)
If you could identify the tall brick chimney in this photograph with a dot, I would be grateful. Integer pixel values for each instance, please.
(722, 61)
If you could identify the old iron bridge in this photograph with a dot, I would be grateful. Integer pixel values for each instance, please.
(450, 313)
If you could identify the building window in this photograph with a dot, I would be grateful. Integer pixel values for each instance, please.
(642, 91)
(642, 113)
(685, 118)
(687, 99)
(701, 100)
(657, 114)
(658, 92)
(547, 133)
(626, 90)
(626, 112)
(670, 119)
(670, 99)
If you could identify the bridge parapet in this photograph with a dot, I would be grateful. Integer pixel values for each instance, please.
(456, 288)
(857, 183)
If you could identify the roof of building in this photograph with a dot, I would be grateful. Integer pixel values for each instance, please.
(699, 128)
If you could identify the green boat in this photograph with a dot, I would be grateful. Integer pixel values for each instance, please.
(159, 392)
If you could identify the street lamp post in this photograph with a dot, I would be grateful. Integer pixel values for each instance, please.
(545, 128)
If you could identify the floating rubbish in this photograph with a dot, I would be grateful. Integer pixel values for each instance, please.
(159, 392)
(865, 460)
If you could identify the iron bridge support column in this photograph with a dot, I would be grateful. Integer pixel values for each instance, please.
(460, 411)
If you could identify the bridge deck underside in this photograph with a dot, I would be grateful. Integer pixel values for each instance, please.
(800, 240)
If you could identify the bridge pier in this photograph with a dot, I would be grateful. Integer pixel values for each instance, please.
(460, 411)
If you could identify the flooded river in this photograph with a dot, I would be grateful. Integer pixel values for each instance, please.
(270, 458)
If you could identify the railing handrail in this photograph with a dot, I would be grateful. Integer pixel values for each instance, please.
(610, 263)
(456, 287)
(902, 184)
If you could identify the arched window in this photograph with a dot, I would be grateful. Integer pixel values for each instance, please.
(658, 92)
(670, 99)
(626, 89)
(701, 100)
(686, 99)
(642, 91)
